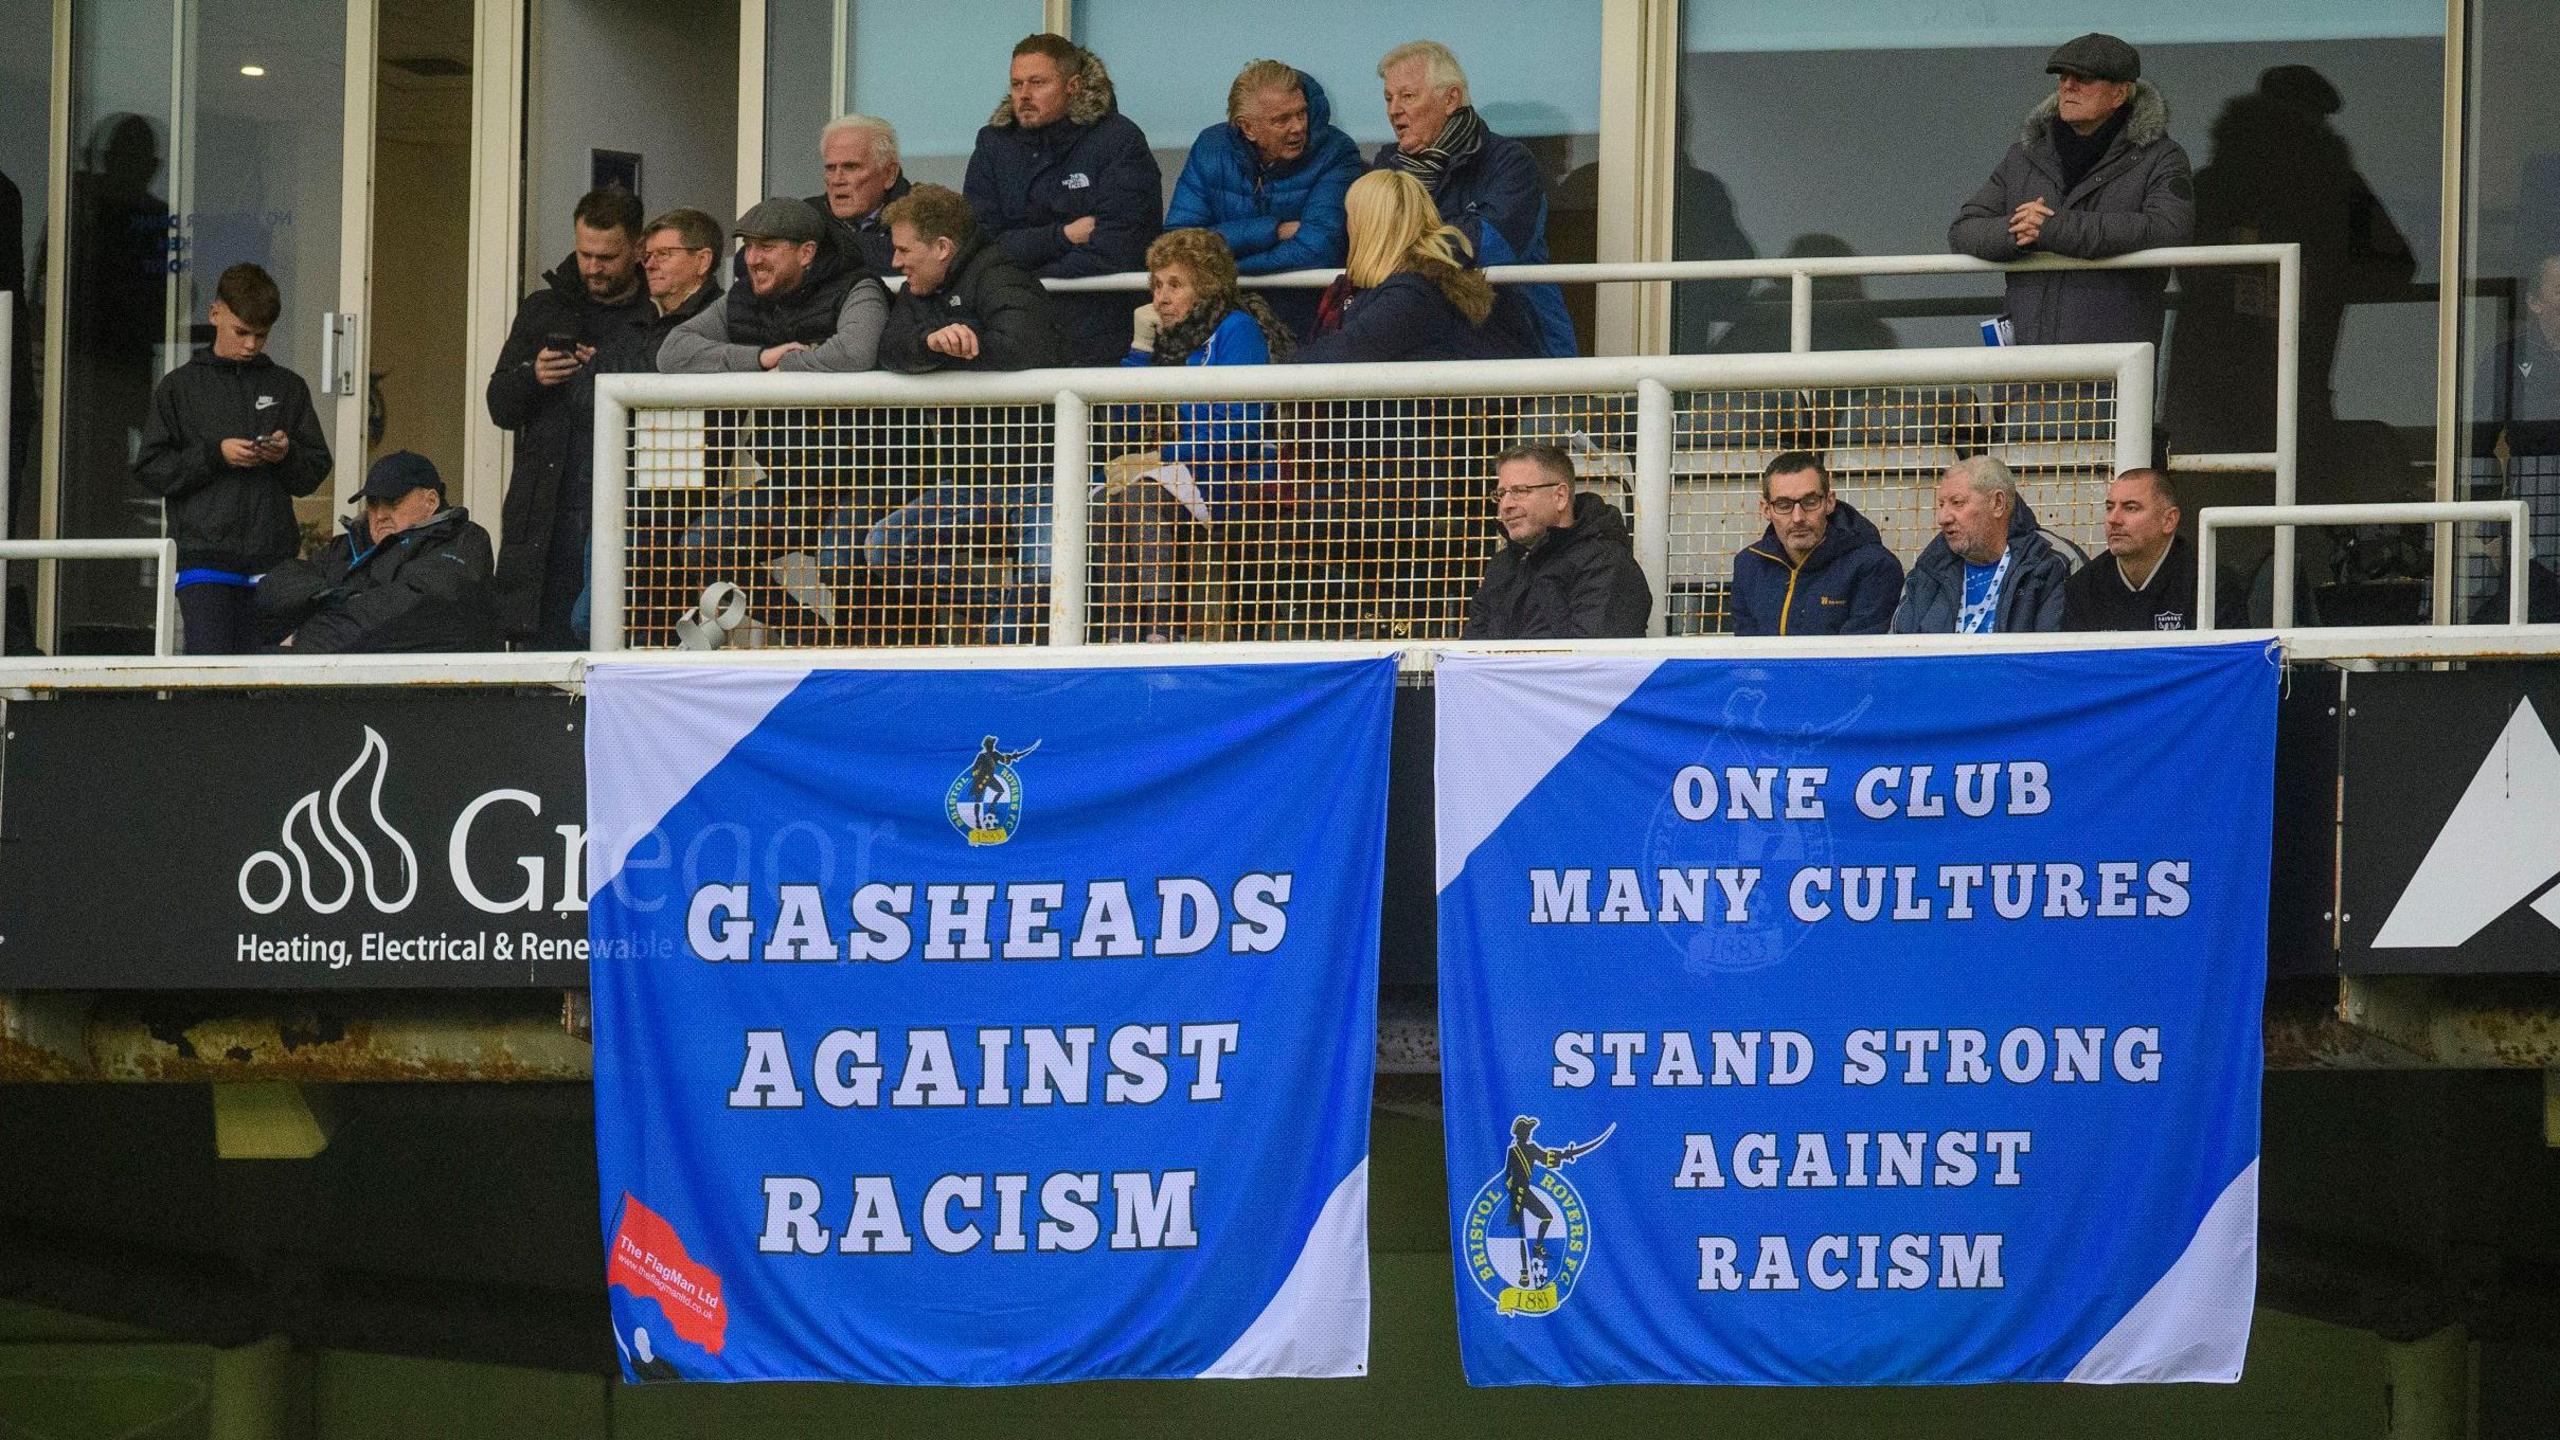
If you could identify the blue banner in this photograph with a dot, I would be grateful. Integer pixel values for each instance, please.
(1854, 1021)
(986, 1026)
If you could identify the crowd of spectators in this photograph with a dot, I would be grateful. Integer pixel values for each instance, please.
(1060, 185)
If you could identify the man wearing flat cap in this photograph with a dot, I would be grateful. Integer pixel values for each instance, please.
(808, 304)
(408, 573)
(2094, 173)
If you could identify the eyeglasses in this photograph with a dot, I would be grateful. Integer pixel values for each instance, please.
(1802, 505)
(1505, 492)
(669, 252)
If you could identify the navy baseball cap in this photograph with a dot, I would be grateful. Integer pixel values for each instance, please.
(398, 473)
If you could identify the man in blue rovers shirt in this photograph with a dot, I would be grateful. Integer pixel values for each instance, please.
(1990, 571)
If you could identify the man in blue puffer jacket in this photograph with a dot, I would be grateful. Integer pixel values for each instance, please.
(1487, 185)
(1270, 182)
(1064, 183)
(1821, 568)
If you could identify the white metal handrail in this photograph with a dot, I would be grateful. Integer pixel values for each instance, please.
(2436, 512)
(162, 552)
(568, 671)
(1801, 273)
(1651, 379)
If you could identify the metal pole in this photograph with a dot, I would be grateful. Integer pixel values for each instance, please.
(164, 611)
(1800, 311)
(1653, 496)
(2134, 386)
(1071, 471)
(610, 513)
(8, 439)
(2288, 420)
(2519, 563)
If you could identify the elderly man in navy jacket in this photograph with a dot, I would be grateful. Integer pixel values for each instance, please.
(1065, 184)
(1485, 184)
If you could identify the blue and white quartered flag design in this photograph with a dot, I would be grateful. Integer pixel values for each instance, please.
(1854, 1021)
(992, 1026)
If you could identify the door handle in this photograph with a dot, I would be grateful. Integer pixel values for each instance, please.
(338, 353)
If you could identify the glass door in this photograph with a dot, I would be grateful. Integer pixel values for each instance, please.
(204, 133)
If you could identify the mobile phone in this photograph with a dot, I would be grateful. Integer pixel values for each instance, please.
(562, 341)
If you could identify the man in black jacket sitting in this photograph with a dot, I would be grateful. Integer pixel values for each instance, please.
(1568, 571)
(407, 575)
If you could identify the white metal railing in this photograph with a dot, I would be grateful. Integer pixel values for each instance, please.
(164, 580)
(566, 671)
(1650, 379)
(2441, 513)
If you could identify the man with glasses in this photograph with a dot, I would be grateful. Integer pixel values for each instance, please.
(1821, 568)
(679, 252)
(1568, 568)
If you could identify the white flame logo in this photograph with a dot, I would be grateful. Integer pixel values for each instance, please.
(346, 851)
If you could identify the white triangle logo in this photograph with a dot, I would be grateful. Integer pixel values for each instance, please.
(2500, 846)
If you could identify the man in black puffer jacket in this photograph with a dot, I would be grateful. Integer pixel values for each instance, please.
(1065, 184)
(231, 442)
(407, 575)
(1569, 570)
(544, 390)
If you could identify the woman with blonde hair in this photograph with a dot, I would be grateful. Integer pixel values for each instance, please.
(1415, 293)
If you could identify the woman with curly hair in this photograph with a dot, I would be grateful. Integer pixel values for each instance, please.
(1155, 501)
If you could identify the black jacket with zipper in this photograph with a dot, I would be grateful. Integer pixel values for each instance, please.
(1576, 582)
(240, 520)
(424, 589)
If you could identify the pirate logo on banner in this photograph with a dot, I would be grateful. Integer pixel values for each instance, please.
(1528, 1235)
(984, 802)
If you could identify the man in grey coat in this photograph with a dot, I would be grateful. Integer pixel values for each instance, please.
(2094, 174)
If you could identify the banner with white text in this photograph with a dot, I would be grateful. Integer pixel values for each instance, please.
(1830, 1022)
(986, 1026)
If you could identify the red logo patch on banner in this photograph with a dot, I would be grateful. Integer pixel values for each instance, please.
(649, 1259)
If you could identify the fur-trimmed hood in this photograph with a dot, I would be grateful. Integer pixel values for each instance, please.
(2150, 120)
(1093, 99)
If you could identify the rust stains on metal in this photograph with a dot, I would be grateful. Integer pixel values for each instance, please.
(464, 1037)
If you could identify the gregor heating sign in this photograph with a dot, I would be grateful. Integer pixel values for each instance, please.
(293, 842)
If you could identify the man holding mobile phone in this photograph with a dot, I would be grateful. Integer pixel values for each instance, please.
(543, 389)
(231, 441)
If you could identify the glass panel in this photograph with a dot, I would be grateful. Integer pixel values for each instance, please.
(937, 106)
(26, 91)
(2511, 318)
(2305, 120)
(238, 159)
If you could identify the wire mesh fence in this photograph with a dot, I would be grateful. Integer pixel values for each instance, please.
(1369, 518)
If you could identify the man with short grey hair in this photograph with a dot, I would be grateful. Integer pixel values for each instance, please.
(858, 158)
(1990, 571)
(1487, 185)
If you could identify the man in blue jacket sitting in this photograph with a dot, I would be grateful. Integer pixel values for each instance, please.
(1821, 568)
(1487, 185)
(1991, 571)
(1064, 183)
(1270, 182)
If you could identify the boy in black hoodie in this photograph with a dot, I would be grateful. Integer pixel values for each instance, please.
(232, 440)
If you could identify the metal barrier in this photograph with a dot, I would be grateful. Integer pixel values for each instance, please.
(1270, 503)
(2437, 512)
(164, 606)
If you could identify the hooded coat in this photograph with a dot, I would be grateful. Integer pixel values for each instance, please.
(1847, 586)
(1577, 582)
(1226, 187)
(2140, 195)
(424, 589)
(554, 427)
(1026, 186)
(225, 518)
(2030, 598)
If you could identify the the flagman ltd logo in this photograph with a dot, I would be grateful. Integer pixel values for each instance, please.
(1528, 1235)
(984, 802)
(347, 854)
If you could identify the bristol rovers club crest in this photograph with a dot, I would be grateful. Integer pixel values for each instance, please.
(984, 802)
